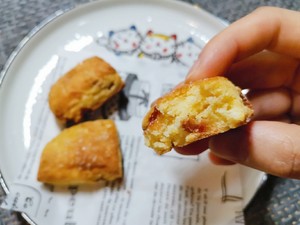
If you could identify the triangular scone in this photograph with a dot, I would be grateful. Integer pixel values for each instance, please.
(84, 88)
(82, 154)
(195, 111)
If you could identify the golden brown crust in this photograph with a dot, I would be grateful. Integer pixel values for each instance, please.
(195, 111)
(84, 88)
(82, 154)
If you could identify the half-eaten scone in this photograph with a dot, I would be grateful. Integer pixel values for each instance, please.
(195, 111)
(84, 88)
(82, 154)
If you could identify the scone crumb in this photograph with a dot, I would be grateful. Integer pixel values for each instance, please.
(84, 88)
(82, 154)
(195, 111)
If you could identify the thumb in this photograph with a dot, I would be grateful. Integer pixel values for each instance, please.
(273, 147)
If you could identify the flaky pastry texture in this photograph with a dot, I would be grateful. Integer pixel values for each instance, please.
(84, 88)
(82, 154)
(195, 111)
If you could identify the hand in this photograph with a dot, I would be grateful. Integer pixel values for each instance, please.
(260, 52)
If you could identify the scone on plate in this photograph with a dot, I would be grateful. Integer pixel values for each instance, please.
(84, 88)
(195, 111)
(82, 154)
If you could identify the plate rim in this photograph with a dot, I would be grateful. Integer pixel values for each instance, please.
(77, 7)
(35, 30)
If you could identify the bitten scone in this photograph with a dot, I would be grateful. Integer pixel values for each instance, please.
(82, 154)
(195, 111)
(84, 88)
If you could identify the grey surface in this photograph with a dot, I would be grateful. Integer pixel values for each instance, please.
(278, 200)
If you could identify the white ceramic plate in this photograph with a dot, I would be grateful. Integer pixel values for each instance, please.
(19, 77)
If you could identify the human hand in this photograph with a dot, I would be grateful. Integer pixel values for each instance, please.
(260, 52)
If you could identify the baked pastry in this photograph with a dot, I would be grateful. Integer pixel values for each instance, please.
(195, 111)
(84, 88)
(82, 154)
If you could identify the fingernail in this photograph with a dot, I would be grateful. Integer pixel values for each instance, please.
(194, 71)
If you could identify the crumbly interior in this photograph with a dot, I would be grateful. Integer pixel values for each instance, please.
(193, 112)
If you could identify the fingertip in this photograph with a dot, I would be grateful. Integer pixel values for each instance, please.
(202, 69)
(194, 148)
(195, 72)
(210, 63)
(231, 145)
(268, 146)
(219, 161)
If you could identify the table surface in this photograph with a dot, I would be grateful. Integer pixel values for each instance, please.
(276, 202)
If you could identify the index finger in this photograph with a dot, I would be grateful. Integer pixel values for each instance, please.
(270, 28)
